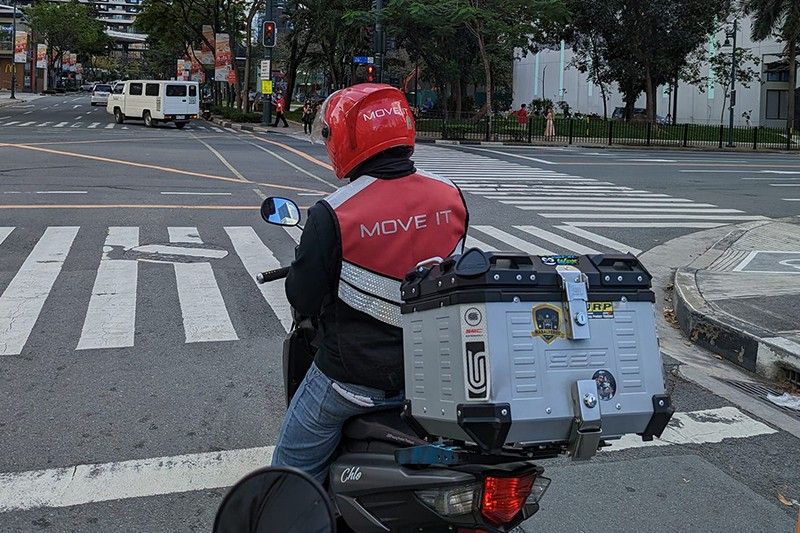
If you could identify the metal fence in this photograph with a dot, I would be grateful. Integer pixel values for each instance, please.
(592, 130)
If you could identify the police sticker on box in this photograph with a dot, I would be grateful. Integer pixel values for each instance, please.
(547, 322)
(476, 356)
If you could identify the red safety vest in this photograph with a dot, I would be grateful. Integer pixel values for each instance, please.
(388, 227)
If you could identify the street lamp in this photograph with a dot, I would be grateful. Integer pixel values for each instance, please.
(727, 42)
(13, 52)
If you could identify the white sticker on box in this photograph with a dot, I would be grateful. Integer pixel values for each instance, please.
(476, 353)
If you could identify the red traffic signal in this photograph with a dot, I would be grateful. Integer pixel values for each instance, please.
(370, 73)
(270, 33)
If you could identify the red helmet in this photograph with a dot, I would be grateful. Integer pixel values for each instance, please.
(362, 121)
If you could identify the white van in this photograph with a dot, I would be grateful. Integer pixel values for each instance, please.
(155, 101)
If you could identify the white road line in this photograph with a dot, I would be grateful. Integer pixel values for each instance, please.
(534, 206)
(216, 129)
(77, 125)
(472, 242)
(61, 192)
(558, 240)
(299, 169)
(700, 427)
(705, 171)
(77, 485)
(184, 234)
(634, 203)
(5, 117)
(12, 123)
(511, 240)
(256, 257)
(24, 297)
(231, 130)
(170, 249)
(138, 478)
(625, 216)
(110, 126)
(498, 152)
(93, 125)
(44, 124)
(630, 224)
(28, 123)
(791, 199)
(111, 317)
(642, 160)
(587, 195)
(27, 112)
(205, 317)
(61, 124)
(547, 197)
(221, 158)
(784, 184)
(5, 232)
(779, 172)
(599, 239)
(75, 106)
(500, 179)
(189, 193)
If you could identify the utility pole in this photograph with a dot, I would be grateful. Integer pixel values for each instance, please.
(378, 44)
(733, 83)
(13, 52)
(266, 109)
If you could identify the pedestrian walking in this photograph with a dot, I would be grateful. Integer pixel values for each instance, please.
(280, 104)
(522, 115)
(550, 127)
(308, 117)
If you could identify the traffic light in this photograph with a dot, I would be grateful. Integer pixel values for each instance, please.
(270, 34)
(371, 73)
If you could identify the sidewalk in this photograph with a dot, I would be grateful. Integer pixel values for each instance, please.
(5, 98)
(295, 129)
(740, 299)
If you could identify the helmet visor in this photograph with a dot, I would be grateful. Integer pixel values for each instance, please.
(320, 131)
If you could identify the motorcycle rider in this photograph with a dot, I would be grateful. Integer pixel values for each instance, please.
(356, 247)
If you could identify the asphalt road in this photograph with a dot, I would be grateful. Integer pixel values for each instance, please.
(134, 340)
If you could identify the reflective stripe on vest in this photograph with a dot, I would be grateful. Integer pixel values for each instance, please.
(387, 227)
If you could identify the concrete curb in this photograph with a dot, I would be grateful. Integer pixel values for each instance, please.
(252, 128)
(741, 343)
(558, 144)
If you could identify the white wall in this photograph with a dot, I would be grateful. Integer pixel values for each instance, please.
(693, 106)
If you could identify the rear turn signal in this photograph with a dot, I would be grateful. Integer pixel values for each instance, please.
(504, 497)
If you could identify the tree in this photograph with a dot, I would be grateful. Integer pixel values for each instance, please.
(64, 27)
(645, 42)
(780, 18)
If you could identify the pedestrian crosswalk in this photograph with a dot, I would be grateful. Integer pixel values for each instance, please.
(573, 201)
(89, 124)
(109, 308)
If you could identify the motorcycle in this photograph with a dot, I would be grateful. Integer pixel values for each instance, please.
(388, 474)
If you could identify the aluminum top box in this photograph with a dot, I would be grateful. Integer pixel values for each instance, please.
(555, 353)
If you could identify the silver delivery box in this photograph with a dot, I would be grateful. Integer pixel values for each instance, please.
(557, 353)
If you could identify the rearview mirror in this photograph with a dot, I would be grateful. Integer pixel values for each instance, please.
(276, 499)
(280, 211)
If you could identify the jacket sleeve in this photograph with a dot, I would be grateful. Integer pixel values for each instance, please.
(313, 273)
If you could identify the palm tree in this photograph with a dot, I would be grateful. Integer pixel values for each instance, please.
(780, 18)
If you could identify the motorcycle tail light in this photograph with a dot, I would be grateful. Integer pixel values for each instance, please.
(504, 497)
(451, 501)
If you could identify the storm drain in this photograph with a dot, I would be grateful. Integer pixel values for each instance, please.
(759, 392)
(792, 376)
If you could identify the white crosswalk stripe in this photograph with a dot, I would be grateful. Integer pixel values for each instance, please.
(79, 124)
(22, 301)
(109, 319)
(571, 202)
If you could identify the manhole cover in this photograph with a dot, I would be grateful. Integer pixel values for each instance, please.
(759, 392)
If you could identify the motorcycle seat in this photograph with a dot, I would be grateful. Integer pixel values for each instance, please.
(378, 432)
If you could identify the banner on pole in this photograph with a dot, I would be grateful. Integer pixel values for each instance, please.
(222, 59)
(198, 74)
(206, 51)
(41, 56)
(21, 47)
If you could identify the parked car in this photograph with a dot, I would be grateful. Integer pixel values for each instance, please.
(100, 93)
(88, 87)
(155, 101)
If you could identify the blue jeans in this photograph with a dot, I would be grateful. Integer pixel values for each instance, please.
(312, 428)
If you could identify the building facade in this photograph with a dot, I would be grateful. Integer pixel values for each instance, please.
(7, 64)
(550, 74)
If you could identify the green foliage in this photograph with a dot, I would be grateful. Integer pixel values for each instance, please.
(67, 26)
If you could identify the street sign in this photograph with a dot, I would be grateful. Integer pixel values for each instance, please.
(266, 69)
(266, 86)
(363, 60)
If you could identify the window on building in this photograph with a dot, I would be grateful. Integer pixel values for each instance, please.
(778, 75)
(777, 104)
(151, 89)
(5, 37)
(135, 89)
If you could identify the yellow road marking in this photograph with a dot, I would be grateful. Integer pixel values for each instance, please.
(296, 152)
(153, 167)
(134, 206)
